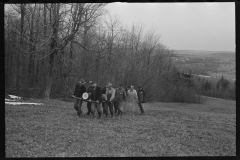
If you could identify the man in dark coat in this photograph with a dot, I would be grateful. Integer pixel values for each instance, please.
(79, 90)
(115, 103)
(96, 96)
(104, 98)
(120, 96)
(141, 98)
(89, 90)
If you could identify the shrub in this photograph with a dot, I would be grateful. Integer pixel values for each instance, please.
(182, 94)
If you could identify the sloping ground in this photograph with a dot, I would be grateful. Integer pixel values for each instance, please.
(167, 129)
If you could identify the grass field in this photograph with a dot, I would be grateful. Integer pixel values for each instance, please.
(167, 129)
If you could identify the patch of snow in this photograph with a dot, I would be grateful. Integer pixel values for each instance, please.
(203, 76)
(10, 99)
(19, 103)
(15, 97)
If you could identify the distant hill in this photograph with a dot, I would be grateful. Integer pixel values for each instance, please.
(208, 63)
(221, 55)
(199, 52)
(224, 56)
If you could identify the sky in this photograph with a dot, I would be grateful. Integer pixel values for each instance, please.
(192, 26)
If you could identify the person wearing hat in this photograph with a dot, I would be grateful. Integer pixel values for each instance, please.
(141, 98)
(79, 90)
(89, 90)
(110, 95)
(96, 96)
(120, 96)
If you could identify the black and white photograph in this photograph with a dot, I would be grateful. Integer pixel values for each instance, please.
(120, 79)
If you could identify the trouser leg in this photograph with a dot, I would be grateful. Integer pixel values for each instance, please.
(98, 106)
(80, 107)
(141, 108)
(115, 104)
(105, 108)
(89, 108)
(93, 109)
(120, 107)
(111, 108)
(103, 105)
(76, 104)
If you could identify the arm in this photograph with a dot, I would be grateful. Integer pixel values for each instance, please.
(88, 90)
(83, 89)
(116, 94)
(113, 94)
(99, 94)
(138, 94)
(105, 95)
(75, 92)
(124, 95)
(135, 95)
(144, 96)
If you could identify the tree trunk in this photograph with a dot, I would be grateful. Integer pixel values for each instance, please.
(53, 50)
(31, 52)
(19, 58)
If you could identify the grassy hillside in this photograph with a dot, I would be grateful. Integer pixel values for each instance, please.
(167, 129)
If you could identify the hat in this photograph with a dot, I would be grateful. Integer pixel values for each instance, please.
(93, 82)
(120, 85)
(82, 81)
(109, 84)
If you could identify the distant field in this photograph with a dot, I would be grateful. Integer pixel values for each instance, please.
(211, 63)
(167, 129)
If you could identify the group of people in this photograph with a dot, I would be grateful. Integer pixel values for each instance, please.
(108, 97)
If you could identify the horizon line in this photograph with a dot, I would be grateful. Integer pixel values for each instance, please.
(202, 50)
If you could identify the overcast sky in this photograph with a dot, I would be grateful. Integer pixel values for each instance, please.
(193, 26)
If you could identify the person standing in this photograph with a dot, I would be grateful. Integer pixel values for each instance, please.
(115, 103)
(79, 90)
(120, 96)
(127, 88)
(110, 95)
(89, 90)
(141, 99)
(96, 96)
(132, 97)
(104, 98)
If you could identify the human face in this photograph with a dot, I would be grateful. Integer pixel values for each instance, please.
(94, 84)
(131, 88)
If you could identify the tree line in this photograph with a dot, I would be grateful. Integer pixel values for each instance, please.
(49, 47)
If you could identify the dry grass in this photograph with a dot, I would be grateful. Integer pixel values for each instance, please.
(167, 129)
